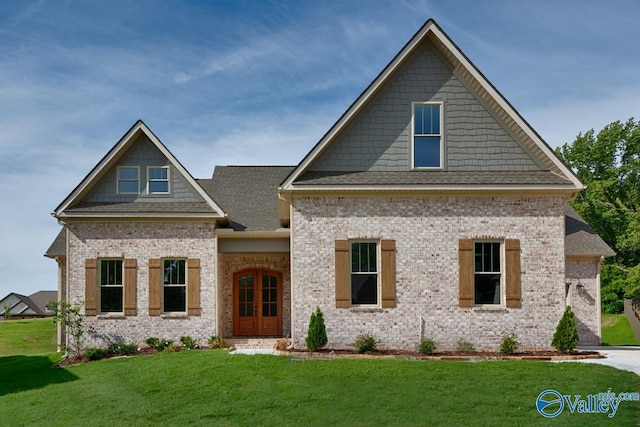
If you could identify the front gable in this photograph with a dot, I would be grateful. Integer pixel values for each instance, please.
(139, 177)
(480, 132)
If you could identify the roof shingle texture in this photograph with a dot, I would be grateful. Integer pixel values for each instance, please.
(580, 239)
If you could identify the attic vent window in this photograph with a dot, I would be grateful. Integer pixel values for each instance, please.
(427, 147)
(128, 181)
(158, 180)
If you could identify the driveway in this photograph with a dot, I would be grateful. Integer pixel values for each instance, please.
(626, 358)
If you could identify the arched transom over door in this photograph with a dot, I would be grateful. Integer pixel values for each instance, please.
(257, 303)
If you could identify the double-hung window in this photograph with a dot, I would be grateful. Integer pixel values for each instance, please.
(111, 286)
(158, 180)
(128, 180)
(174, 286)
(487, 273)
(364, 273)
(427, 143)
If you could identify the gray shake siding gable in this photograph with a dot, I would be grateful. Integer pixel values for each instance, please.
(379, 138)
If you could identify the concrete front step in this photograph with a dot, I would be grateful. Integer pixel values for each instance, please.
(251, 343)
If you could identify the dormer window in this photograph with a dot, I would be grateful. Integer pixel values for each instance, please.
(158, 180)
(128, 180)
(427, 140)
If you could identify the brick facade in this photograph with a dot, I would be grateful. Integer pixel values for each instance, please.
(426, 231)
(583, 280)
(143, 241)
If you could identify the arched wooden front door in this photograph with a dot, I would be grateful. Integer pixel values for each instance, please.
(257, 303)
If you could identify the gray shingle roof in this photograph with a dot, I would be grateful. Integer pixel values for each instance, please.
(59, 245)
(580, 239)
(42, 298)
(139, 208)
(432, 178)
(248, 194)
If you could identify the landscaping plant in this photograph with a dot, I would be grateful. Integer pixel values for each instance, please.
(565, 338)
(317, 334)
(365, 343)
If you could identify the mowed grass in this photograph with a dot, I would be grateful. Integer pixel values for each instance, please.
(617, 331)
(29, 336)
(211, 387)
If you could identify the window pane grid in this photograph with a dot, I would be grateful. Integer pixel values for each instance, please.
(111, 289)
(158, 179)
(364, 276)
(175, 289)
(487, 277)
(427, 136)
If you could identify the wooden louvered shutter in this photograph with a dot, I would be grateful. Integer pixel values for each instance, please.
(388, 271)
(90, 286)
(465, 265)
(130, 286)
(155, 287)
(343, 280)
(193, 286)
(512, 272)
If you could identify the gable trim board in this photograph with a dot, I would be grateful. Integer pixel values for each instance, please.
(502, 108)
(110, 159)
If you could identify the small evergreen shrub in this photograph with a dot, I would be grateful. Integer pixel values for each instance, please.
(95, 353)
(365, 343)
(120, 348)
(317, 333)
(509, 343)
(465, 347)
(216, 341)
(189, 343)
(427, 346)
(565, 338)
(158, 344)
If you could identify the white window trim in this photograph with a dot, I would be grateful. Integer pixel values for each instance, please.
(503, 295)
(186, 288)
(127, 180)
(378, 273)
(148, 190)
(100, 286)
(441, 135)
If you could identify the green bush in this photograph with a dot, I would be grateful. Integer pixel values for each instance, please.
(509, 343)
(188, 343)
(158, 344)
(365, 343)
(317, 333)
(120, 348)
(216, 341)
(427, 346)
(465, 347)
(565, 338)
(95, 353)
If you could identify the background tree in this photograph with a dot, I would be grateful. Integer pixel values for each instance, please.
(609, 164)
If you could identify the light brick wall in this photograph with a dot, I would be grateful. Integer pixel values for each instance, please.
(229, 263)
(426, 231)
(142, 241)
(585, 302)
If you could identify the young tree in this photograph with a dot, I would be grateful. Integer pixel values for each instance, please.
(317, 334)
(71, 318)
(565, 338)
(609, 164)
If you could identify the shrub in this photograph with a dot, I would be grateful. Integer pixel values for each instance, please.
(317, 334)
(282, 344)
(365, 343)
(216, 341)
(465, 347)
(95, 353)
(509, 343)
(158, 344)
(565, 338)
(120, 348)
(427, 346)
(188, 343)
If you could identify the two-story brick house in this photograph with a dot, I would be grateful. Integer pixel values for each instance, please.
(430, 209)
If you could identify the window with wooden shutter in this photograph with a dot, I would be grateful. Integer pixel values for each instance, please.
(512, 272)
(130, 287)
(465, 265)
(343, 293)
(193, 286)
(388, 267)
(155, 287)
(90, 287)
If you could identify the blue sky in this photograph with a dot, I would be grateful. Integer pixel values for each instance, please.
(259, 82)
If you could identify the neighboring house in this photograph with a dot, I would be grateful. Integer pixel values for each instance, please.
(23, 307)
(430, 209)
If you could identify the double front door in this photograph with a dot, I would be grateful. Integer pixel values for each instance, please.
(257, 303)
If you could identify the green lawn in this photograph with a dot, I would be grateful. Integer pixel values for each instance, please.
(210, 387)
(32, 336)
(616, 330)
